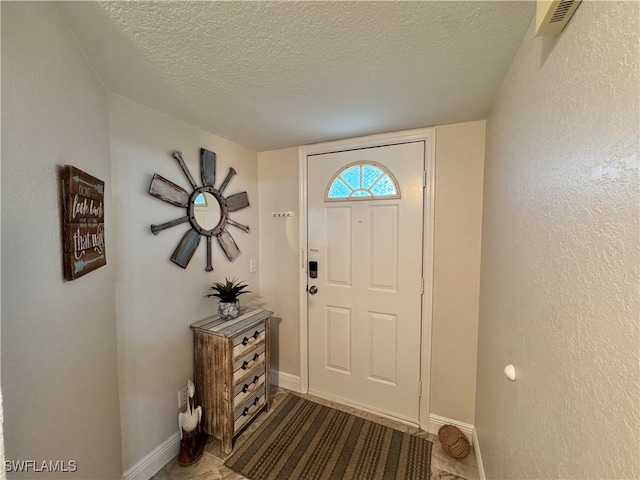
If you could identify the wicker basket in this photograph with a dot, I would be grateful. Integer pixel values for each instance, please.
(453, 441)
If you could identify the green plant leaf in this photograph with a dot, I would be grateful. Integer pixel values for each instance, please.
(229, 291)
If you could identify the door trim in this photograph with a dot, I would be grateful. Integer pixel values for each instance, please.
(428, 136)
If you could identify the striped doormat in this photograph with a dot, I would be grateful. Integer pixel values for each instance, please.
(302, 440)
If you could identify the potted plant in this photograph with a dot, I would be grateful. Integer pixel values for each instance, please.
(228, 293)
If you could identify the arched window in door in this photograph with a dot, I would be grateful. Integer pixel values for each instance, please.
(362, 181)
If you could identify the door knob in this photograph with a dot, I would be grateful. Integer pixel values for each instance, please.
(313, 289)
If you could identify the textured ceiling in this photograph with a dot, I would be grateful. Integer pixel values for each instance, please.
(270, 75)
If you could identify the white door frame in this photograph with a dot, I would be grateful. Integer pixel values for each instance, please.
(428, 136)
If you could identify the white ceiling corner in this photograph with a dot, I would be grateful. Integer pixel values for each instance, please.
(270, 75)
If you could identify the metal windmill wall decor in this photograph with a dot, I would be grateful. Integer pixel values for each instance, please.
(169, 192)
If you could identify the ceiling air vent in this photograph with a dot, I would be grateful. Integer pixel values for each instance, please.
(552, 16)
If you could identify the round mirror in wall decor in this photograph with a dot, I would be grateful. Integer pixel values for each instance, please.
(207, 210)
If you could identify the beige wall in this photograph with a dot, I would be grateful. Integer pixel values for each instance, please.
(279, 259)
(458, 204)
(560, 254)
(59, 376)
(67, 388)
(456, 269)
(156, 300)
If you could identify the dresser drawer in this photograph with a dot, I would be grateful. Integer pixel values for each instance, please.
(249, 386)
(245, 365)
(248, 410)
(247, 340)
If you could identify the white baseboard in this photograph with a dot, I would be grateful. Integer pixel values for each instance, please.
(285, 380)
(476, 447)
(151, 464)
(436, 421)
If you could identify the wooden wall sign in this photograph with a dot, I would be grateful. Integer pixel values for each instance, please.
(82, 223)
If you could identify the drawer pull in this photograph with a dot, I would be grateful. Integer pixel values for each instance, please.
(250, 387)
(252, 339)
(248, 411)
(247, 365)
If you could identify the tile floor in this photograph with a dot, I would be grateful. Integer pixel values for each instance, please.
(211, 465)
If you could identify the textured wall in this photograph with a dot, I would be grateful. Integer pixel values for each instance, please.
(456, 269)
(3, 473)
(560, 253)
(59, 376)
(156, 300)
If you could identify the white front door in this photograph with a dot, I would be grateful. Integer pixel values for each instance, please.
(365, 317)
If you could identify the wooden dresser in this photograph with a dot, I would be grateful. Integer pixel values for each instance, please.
(231, 370)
